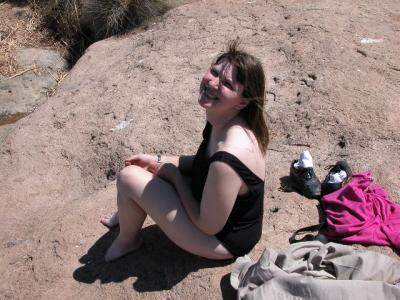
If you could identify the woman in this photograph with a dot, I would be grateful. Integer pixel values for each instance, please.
(219, 214)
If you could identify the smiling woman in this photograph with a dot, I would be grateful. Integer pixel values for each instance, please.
(220, 86)
(218, 213)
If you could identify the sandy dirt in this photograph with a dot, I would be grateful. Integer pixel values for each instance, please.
(328, 93)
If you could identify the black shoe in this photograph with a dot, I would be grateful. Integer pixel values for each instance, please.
(328, 187)
(305, 181)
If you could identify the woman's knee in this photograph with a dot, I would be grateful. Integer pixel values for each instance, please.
(128, 175)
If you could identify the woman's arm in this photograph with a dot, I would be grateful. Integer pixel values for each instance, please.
(219, 195)
(183, 162)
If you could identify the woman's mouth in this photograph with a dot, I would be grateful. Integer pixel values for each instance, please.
(209, 94)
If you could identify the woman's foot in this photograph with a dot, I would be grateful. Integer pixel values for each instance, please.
(110, 221)
(118, 249)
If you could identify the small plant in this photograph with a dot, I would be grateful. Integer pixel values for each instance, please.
(104, 18)
(79, 23)
(62, 17)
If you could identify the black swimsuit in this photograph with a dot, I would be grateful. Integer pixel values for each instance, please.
(244, 225)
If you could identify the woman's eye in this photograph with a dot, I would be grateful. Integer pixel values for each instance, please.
(214, 72)
(228, 85)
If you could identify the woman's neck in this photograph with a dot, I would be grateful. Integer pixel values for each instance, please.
(219, 123)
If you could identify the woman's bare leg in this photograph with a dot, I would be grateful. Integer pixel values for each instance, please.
(139, 192)
(131, 218)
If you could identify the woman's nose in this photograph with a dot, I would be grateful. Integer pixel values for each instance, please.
(213, 82)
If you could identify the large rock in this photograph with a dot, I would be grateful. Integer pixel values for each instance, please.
(328, 93)
(21, 95)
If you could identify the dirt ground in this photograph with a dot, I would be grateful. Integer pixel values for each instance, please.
(329, 91)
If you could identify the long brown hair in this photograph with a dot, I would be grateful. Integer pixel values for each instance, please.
(251, 75)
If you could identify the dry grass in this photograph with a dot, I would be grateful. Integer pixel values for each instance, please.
(67, 26)
(17, 31)
(78, 25)
(105, 18)
(62, 19)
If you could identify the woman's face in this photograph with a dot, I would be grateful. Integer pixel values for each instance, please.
(219, 88)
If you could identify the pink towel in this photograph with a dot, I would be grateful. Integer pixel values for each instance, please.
(361, 212)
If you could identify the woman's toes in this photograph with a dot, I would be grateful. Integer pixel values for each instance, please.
(110, 221)
(105, 221)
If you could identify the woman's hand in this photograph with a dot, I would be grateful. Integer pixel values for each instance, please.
(144, 161)
(166, 171)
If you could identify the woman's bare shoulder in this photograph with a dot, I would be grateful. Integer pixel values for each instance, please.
(240, 139)
(241, 142)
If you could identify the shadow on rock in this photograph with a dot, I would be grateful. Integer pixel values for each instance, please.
(313, 232)
(287, 185)
(158, 265)
(228, 292)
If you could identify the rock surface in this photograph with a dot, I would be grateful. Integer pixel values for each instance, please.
(327, 93)
(22, 94)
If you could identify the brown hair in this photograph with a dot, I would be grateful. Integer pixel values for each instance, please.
(251, 75)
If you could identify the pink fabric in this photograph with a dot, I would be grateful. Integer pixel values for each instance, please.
(361, 212)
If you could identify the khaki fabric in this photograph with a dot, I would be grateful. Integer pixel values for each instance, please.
(313, 270)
